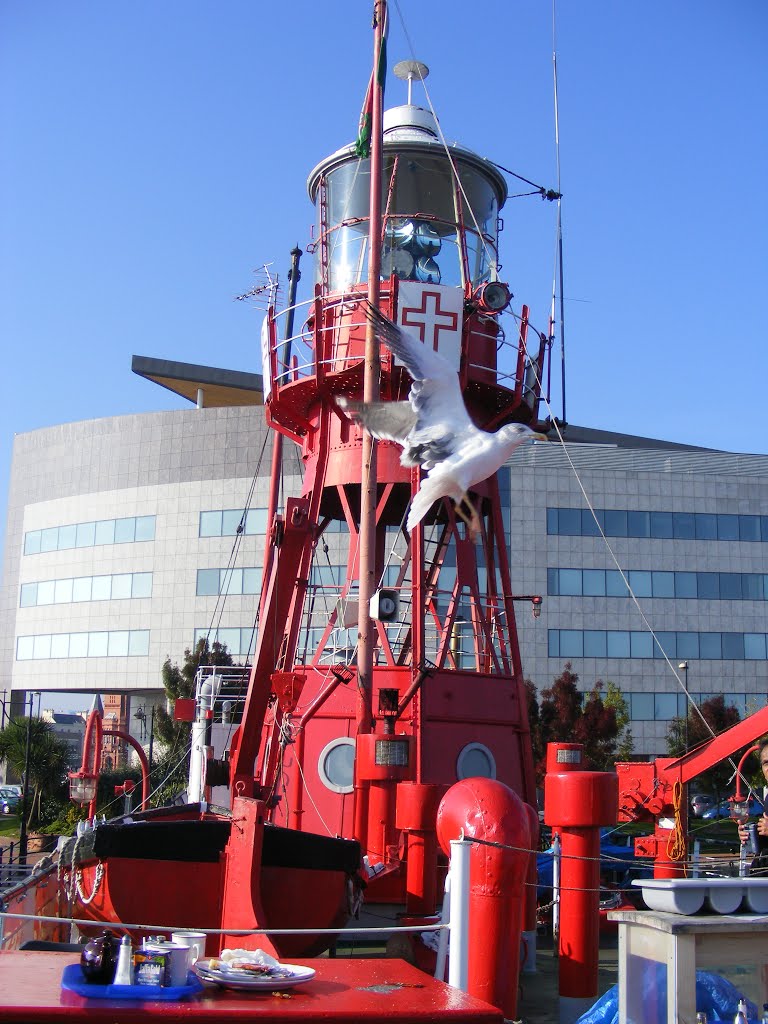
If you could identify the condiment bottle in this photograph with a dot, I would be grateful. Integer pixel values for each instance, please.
(124, 971)
(764, 1018)
(701, 1017)
(741, 1013)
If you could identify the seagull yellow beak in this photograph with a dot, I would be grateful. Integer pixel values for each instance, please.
(539, 437)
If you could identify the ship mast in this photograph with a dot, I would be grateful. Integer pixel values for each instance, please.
(369, 483)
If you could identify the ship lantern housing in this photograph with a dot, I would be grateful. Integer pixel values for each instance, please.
(436, 230)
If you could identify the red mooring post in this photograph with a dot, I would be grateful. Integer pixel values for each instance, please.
(577, 803)
(487, 809)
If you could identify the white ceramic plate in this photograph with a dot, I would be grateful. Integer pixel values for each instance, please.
(236, 980)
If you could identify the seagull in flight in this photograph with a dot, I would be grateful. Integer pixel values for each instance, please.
(434, 427)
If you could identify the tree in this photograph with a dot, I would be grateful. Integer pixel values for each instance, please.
(564, 715)
(179, 683)
(49, 761)
(615, 699)
(687, 732)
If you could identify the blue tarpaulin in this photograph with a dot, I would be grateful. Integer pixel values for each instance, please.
(716, 996)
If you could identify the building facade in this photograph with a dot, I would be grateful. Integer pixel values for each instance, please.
(125, 534)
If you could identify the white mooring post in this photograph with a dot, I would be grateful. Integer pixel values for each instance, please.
(458, 963)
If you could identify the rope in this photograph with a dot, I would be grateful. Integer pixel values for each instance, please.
(676, 841)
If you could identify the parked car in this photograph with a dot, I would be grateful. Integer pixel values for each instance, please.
(723, 810)
(700, 803)
(9, 801)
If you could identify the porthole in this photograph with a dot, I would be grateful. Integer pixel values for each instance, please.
(475, 761)
(336, 765)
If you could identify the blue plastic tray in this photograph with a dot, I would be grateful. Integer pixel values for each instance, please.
(73, 981)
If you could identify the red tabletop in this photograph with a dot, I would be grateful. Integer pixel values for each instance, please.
(371, 991)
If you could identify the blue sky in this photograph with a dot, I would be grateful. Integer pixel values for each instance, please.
(153, 153)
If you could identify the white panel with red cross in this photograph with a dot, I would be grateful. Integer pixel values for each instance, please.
(432, 312)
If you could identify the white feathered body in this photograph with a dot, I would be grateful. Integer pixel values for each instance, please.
(433, 425)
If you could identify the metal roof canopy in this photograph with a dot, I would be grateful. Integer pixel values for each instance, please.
(220, 387)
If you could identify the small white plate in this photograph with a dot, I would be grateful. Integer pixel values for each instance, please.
(237, 980)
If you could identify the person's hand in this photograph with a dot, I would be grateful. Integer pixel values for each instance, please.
(743, 834)
(762, 825)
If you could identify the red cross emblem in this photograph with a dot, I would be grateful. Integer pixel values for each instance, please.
(430, 318)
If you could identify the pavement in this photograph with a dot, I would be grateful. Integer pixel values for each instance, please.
(539, 1001)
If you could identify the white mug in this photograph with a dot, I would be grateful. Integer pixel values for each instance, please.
(178, 953)
(195, 941)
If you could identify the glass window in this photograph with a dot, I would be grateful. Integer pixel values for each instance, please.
(685, 584)
(67, 535)
(764, 528)
(336, 765)
(24, 648)
(569, 522)
(615, 523)
(256, 521)
(210, 524)
(593, 582)
(687, 645)
(141, 585)
(475, 761)
(232, 581)
(138, 642)
(733, 646)
(62, 591)
(667, 645)
(638, 524)
(552, 529)
(614, 584)
(708, 584)
(663, 584)
(643, 706)
(98, 645)
(28, 595)
(145, 528)
(661, 524)
(78, 645)
(60, 645)
(42, 646)
(618, 643)
(552, 582)
(754, 646)
(32, 543)
(640, 645)
(706, 526)
(105, 531)
(665, 706)
(730, 586)
(589, 522)
(101, 588)
(230, 521)
(640, 581)
(86, 535)
(595, 644)
(749, 528)
(230, 638)
(118, 644)
(553, 643)
(752, 586)
(571, 643)
(49, 539)
(570, 582)
(727, 527)
(121, 586)
(207, 582)
(683, 525)
(81, 588)
(710, 647)
(125, 530)
(45, 592)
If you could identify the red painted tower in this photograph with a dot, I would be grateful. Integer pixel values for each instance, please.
(387, 665)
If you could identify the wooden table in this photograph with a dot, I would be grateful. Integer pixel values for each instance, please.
(371, 991)
(733, 945)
